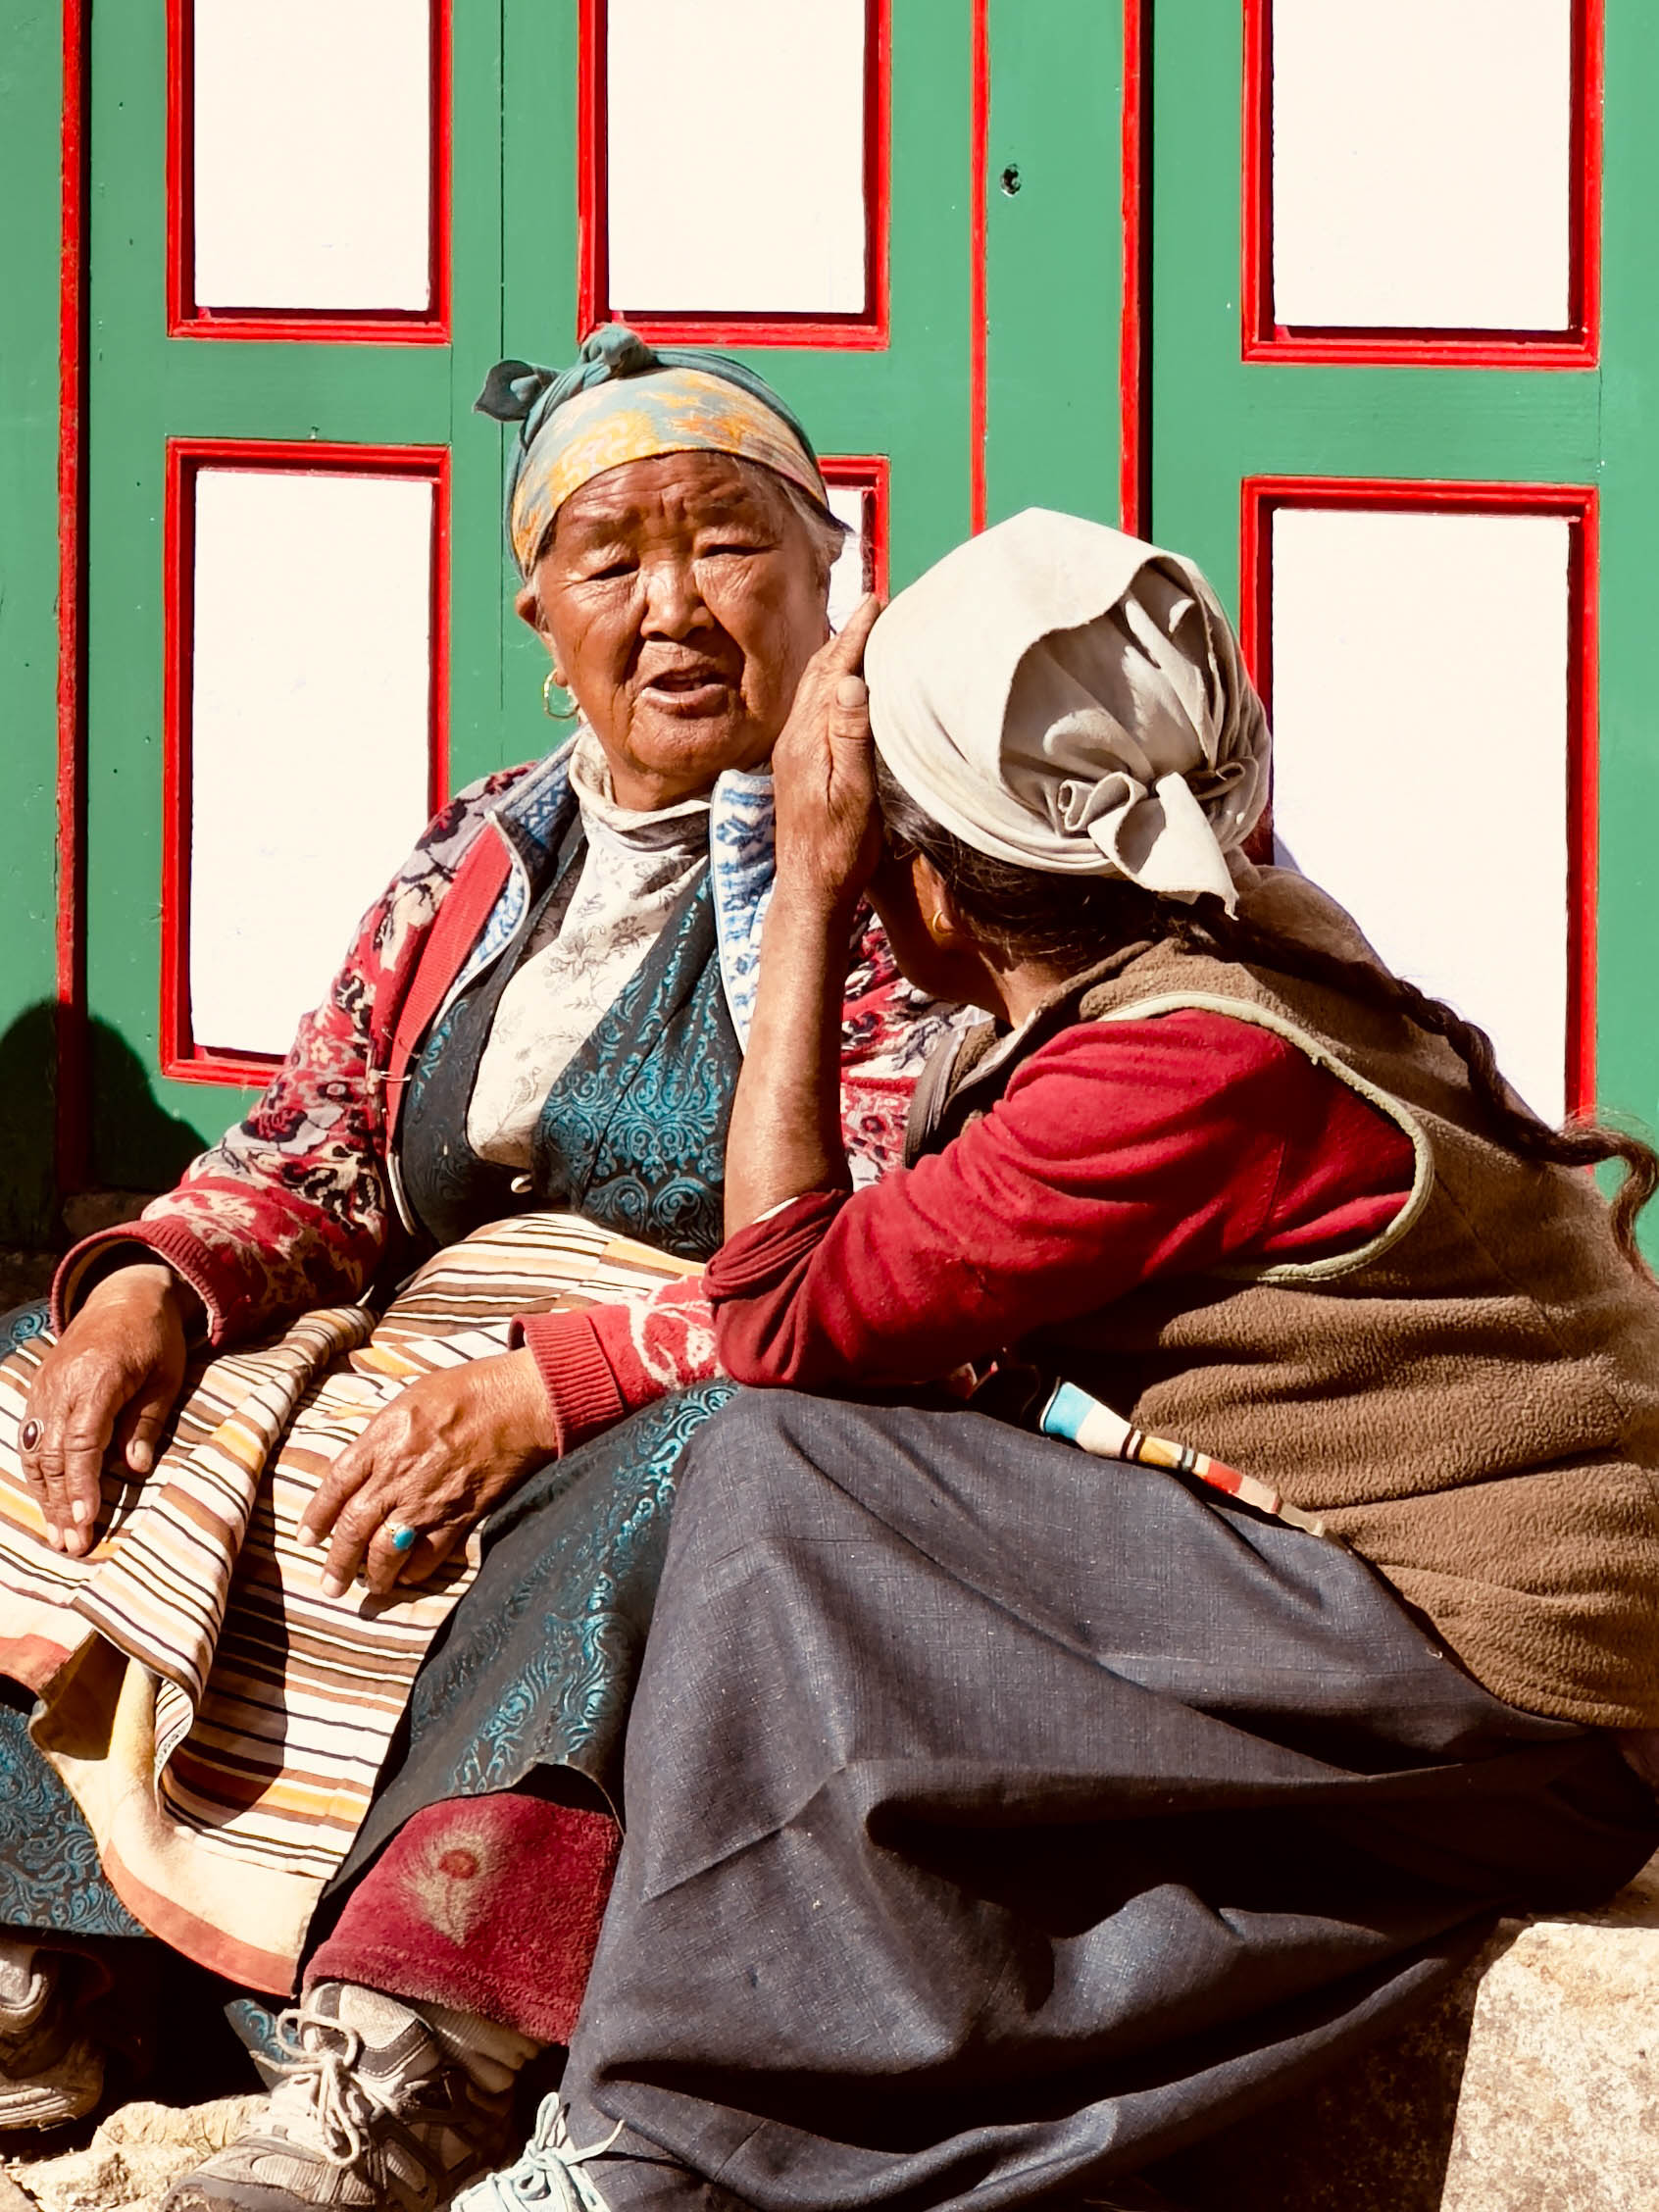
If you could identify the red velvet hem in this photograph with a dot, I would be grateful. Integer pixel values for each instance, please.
(490, 1904)
(520, 2003)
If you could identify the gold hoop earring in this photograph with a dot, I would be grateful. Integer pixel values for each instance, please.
(553, 713)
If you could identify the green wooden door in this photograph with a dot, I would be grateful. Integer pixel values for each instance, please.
(884, 388)
(31, 94)
(1269, 445)
(160, 408)
(1054, 308)
(181, 399)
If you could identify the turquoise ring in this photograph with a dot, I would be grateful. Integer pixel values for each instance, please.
(402, 1539)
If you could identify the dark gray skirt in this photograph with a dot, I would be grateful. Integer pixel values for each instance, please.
(1002, 1819)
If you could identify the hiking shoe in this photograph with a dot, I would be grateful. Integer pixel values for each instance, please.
(549, 2175)
(49, 2073)
(370, 2112)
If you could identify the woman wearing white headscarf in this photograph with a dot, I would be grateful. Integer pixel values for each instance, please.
(1005, 1816)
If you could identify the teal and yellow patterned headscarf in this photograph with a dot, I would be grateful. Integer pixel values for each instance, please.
(623, 401)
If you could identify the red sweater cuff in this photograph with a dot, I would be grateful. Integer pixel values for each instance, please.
(580, 1387)
(168, 1241)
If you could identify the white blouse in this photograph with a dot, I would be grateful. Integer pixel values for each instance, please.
(588, 942)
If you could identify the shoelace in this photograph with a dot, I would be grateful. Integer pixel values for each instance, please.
(325, 2068)
(549, 2169)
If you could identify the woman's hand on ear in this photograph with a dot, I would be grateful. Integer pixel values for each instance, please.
(785, 1132)
(823, 772)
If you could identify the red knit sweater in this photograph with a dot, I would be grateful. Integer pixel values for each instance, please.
(1122, 1151)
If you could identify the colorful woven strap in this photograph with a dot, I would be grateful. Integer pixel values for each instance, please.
(1095, 1428)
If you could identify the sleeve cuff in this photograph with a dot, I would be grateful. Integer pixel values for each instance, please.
(580, 1387)
(79, 1270)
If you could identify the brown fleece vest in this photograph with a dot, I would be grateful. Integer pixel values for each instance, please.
(1471, 1401)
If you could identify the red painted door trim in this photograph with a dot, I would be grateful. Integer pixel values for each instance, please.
(1578, 347)
(866, 331)
(186, 319)
(1262, 497)
(1135, 452)
(72, 1128)
(181, 1056)
(978, 272)
(871, 474)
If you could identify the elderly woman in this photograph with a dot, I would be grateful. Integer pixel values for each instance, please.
(543, 1015)
(1003, 1818)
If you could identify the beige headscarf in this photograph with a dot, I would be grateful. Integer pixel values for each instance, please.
(1067, 699)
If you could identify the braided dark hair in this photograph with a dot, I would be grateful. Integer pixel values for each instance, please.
(1074, 921)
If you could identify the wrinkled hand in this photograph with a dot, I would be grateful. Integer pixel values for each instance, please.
(436, 1460)
(823, 774)
(109, 1382)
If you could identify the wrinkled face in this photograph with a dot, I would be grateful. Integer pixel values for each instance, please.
(681, 599)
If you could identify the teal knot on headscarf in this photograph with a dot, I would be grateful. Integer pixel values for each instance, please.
(672, 399)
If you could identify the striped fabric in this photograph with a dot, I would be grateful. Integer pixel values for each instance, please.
(221, 1722)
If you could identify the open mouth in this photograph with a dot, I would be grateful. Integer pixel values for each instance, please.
(688, 691)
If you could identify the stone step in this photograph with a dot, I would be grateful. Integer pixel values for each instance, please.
(132, 2161)
(1532, 2085)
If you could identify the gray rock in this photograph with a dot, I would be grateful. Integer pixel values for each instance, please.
(134, 2158)
(1530, 2087)
(1558, 2110)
